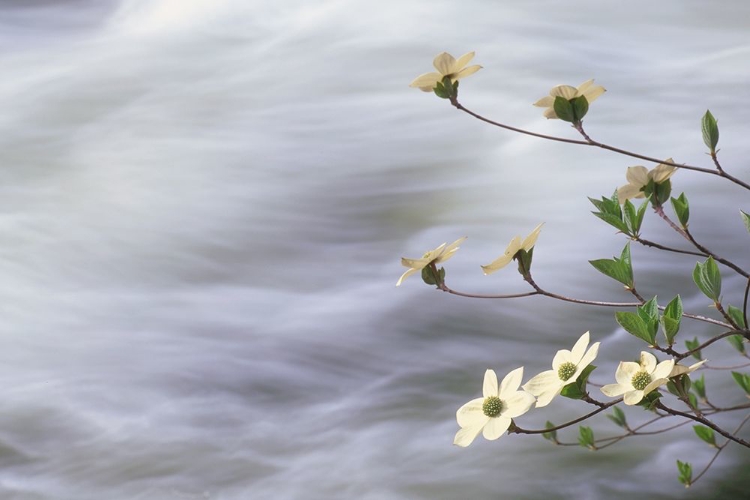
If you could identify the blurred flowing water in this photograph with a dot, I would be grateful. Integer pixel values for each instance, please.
(202, 209)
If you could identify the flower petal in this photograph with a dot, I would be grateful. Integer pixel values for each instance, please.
(466, 72)
(513, 247)
(465, 59)
(518, 404)
(561, 357)
(447, 252)
(530, 240)
(625, 372)
(654, 384)
(565, 91)
(648, 362)
(414, 263)
(663, 369)
(444, 63)
(579, 349)
(614, 390)
(545, 102)
(632, 397)
(592, 92)
(679, 369)
(496, 427)
(472, 414)
(427, 80)
(589, 357)
(550, 114)
(510, 383)
(663, 172)
(489, 388)
(466, 436)
(408, 273)
(542, 382)
(629, 191)
(637, 175)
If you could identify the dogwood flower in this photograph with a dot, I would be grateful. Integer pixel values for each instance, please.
(636, 380)
(679, 369)
(638, 178)
(587, 89)
(513, 248)
(448, 66)
(440, 254)
(491, 414)
(566, 367)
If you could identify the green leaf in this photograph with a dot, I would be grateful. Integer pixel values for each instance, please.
(746, 220)
(635, 325)
(710, 131)
(693, 344)
(685, 471)
(618, 417)
(743, 380)
(551, 435)
(706, 434)
(586, 437)
(737, 316)
(699, 387)
(614, 221)
(738, 342)
(706, 275)
(629, 218)
(580, 107)
(577, 388)
(661, 192)
(524, 259)
(618, 269)
(564, 109)
(670, 321)
(640, 214)
(681, 208)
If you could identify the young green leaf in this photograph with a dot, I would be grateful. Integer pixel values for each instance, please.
(586, 437)
(685, 471)
(699, 387)
(693, 344)
(746, 220)
(743, 380)
(618, 417)
(738, 342)
(710, 131)
(681, 209)
(580, 107)
(635, 325)
(706, 275)
(670, 321)
(564, 109)
(706, 434)
(737, 316)
(551, 435)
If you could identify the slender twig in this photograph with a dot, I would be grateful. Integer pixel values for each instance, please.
(705, 422)
(591, 142)
(706, 344)
(719, 449)
(663, 247)
(520, 430)
(744, 302)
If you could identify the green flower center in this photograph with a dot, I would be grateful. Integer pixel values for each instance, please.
(492, 406)
(640, 380)
(566, 371)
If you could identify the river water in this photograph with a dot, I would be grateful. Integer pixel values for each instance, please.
(203, 206)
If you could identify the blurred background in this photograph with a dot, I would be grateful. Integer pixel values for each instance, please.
(203, 204)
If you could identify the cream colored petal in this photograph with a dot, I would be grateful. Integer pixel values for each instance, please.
(467, 435)
(625, 372)
(414, 263)
(467, 71)
(510, 384)
(489, 387)
(561, 357)
(530, 240)
(579, 349)
(545, 102)
(654, 384)
(504, 260)
(546, 397)
(614, 390)
(593, 92)
(584, 86)
(495, 428)
(406, 275)
(565, 91)
(648, 362)
(448, 251)
(518, 404)
(679, 369)
(444, 63)
(426, 81)
(663, 369)
(542, 382)
(637, 175)
(550, 114)
(663, 172)
(471, 414)
(434, 254)
(465, 59)
(589, 357)
(629, 191)
(427, 89)
(632, 397)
